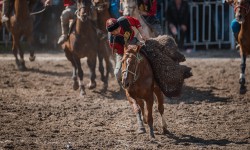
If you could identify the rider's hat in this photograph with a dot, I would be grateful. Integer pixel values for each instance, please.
(111, 24)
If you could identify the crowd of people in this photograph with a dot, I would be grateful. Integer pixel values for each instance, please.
(150, 10)
(165, 17)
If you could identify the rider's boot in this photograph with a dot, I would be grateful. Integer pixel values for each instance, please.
(64, 36)
(5, 17)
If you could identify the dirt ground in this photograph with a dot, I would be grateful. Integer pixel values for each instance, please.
(39, 109)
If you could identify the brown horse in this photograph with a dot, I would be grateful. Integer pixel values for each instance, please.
(101, 8)
(140, 86)
(21, 24)
(82, 43)
(242, 8)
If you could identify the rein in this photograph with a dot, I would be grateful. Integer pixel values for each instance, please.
(38, 12)
(244, 7)
(79, 17)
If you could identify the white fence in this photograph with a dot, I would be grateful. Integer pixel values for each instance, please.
(210, 24)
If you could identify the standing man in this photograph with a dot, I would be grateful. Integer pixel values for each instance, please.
(177, 17)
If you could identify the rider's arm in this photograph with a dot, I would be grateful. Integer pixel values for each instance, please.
(136, 23)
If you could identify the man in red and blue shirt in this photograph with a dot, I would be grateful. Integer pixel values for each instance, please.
(67, 14)
(120, 34)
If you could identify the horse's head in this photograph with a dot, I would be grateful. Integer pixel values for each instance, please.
(128, 7)
(241, 8)
(130, 62)
(100, 5)
(83, 9)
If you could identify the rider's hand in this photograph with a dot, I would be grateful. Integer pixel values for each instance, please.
(183, 27)
(47, 3)
(173, 29)
(143, 36)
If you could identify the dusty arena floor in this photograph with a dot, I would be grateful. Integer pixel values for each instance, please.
(39, 110)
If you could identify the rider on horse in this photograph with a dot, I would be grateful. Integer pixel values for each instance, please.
(67, 14)
(148, 10)
(120, 34)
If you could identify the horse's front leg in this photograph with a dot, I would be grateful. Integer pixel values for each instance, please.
(80, 75)
(70, 57)
(242, 79)
(74, 77)
(91, 61)
(15, 49)
(32, 52)
(138, 112)
(101, 69)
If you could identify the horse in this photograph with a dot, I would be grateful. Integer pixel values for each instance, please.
(130, 8)
(21, 24)
(101, 8)
(242, 8)
(140, 86)
(82, 43)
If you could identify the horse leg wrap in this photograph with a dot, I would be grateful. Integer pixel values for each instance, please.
(141, 128)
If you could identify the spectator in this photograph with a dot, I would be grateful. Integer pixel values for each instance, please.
(177, 17)
(148, 10)
(114, 8)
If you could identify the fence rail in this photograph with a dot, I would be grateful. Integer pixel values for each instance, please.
(209, 24)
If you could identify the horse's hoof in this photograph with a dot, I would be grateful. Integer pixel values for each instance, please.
(82, 93)
(91, 85)
(243, 89)
(242, 81)
(76, 86)
(165, 131)
(105, 86)
(141, 130)
(22, 68)
(32, 58)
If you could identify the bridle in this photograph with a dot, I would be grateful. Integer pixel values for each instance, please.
(135, 73)
(85, 15)
(246, 8)
(100, 5)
